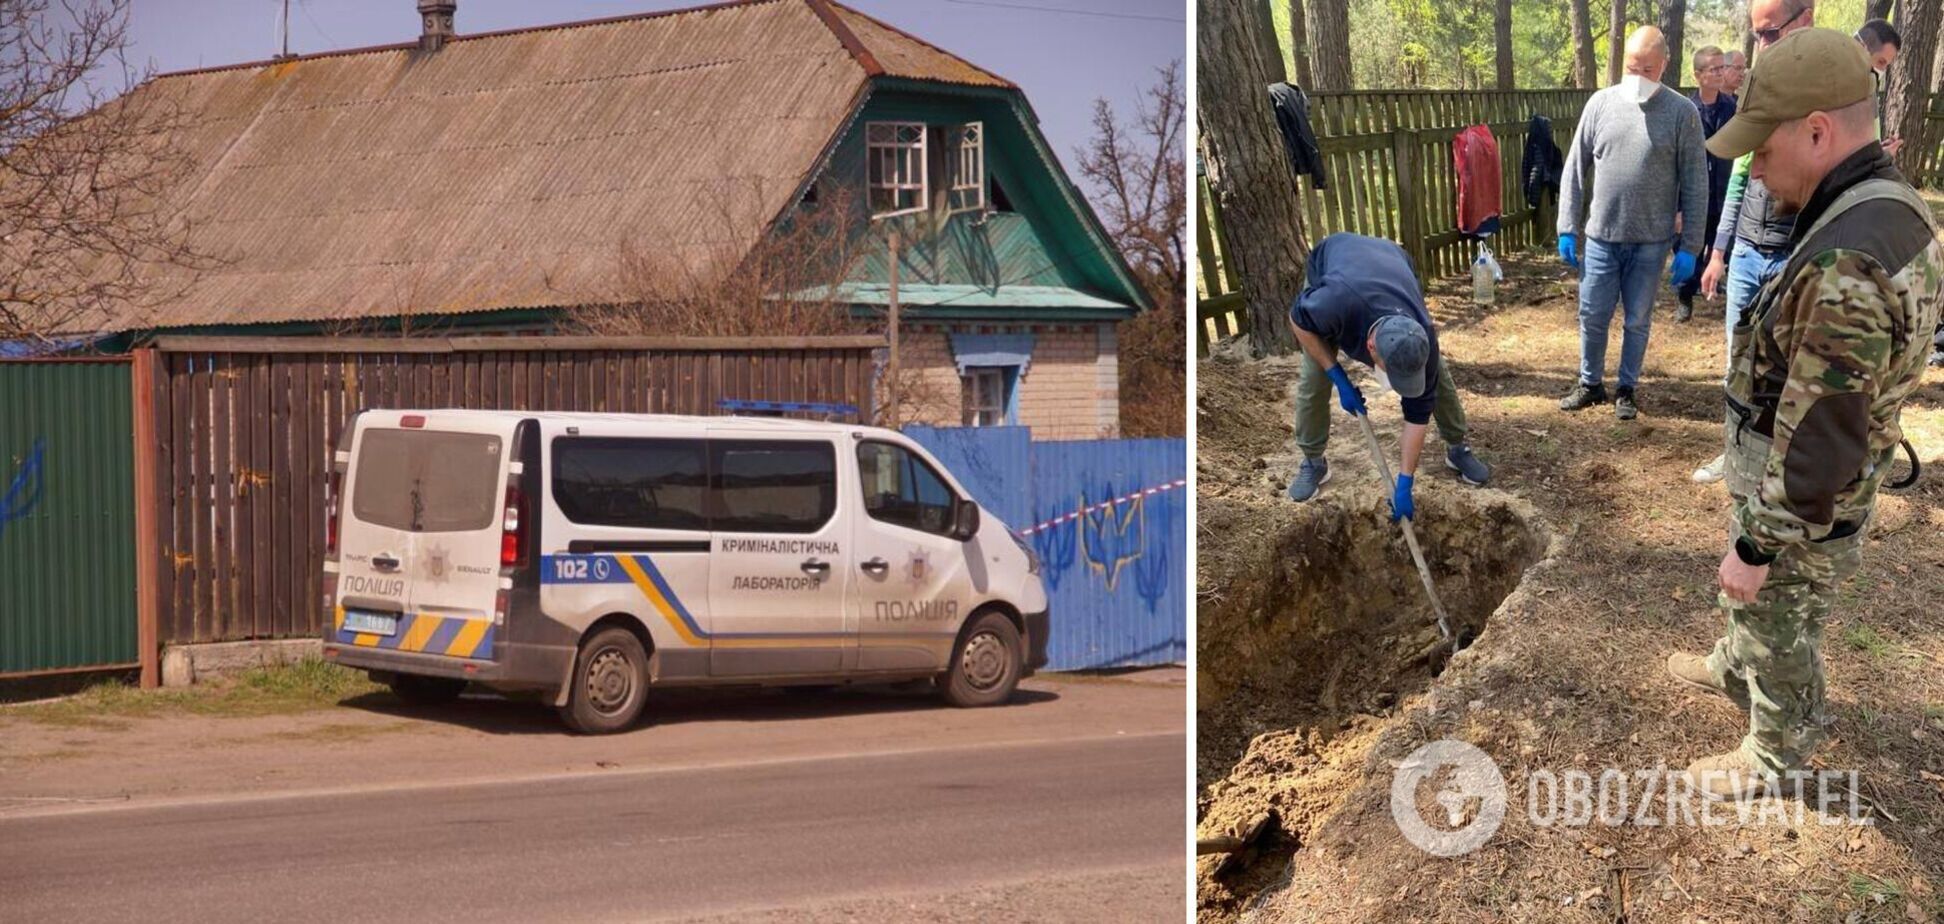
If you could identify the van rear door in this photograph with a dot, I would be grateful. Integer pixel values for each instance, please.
(420, 569)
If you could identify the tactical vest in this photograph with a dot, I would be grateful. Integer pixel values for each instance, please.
(1752, 400)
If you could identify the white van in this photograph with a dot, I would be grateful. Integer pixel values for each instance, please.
(592, 556)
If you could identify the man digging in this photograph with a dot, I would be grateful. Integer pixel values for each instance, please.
(1821, 363)
(1362, 297)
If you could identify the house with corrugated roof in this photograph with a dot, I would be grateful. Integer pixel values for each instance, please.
(488, 182)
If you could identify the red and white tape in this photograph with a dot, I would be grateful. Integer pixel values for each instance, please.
(1103, 505)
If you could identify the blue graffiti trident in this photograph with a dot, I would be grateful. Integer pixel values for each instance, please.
(1151, 571)
(24, 492)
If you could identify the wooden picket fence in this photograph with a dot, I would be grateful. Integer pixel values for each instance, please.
(1388, 172)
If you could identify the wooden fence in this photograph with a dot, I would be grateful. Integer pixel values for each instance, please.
(1388, 172)
(244, 431)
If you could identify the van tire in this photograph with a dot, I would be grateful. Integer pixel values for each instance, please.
(985, 663)
(614, 659)
(426, 691)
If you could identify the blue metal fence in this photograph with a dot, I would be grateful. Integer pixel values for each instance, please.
(1109, 519)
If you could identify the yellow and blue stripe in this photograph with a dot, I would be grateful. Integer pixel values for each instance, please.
(424, 633)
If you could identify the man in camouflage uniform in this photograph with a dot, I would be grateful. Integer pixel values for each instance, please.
(1821, 364)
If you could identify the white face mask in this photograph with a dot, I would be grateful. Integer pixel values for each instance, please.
(1640, 88)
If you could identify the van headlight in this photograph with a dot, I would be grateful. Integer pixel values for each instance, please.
(1032, 558)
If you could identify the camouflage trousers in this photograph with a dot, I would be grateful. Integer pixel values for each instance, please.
(1770, 660)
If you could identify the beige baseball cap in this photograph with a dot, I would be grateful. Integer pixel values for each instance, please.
(1813, 70)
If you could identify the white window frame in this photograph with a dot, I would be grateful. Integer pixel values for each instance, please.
(965, 168)
(976, 413)
(896, 167)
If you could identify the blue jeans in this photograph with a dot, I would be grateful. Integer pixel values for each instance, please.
(1613, 275)
(1748, 271)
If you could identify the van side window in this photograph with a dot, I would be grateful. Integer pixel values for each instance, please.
(773, 486)
(638, 483)
(901, 489)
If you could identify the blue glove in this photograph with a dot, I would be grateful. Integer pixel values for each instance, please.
(1683, 269)
(1569, 250)
(1401, 506)
(1347, 394)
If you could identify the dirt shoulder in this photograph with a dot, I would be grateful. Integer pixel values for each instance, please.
(1568, 673)
(167, 750)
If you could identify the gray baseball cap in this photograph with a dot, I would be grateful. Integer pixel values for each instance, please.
(1404, 348)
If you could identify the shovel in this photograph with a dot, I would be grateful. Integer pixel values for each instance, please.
(1410, 535)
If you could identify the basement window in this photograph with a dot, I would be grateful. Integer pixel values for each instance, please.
(895, 152)
(965, 167)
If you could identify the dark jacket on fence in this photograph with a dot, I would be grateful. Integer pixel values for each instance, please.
(1299, 140)
(1542, 162)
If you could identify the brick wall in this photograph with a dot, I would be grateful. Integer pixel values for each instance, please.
(1071, 389)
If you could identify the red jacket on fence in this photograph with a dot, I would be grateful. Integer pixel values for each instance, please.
(1476, 154)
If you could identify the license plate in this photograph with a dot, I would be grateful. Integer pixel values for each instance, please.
(371, 623)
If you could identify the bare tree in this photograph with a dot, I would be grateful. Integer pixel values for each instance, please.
(1905, 94)
(1299, 45)
(1584, 69)
(1331, 19)
(1502, 38)
(1247, 170)
(1673, 25)
(1143, 198)
(1616, 40)
(1877, 9)
(1266, 46)
(84, 179)
(794, 280)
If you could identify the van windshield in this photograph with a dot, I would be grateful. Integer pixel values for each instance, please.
(427, 481)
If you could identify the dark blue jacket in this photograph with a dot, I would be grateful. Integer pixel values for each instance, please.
(1353, 281)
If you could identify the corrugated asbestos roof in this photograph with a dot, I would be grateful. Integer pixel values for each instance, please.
(506, 170)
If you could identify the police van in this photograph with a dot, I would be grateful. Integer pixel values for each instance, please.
(591, 557)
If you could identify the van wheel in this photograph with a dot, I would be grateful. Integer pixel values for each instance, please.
(610, 684)
(426, 691)
(985, 664)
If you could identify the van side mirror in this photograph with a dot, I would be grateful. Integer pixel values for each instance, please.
(965, 521)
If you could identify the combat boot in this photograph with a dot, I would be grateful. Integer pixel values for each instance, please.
(1733, 776)
(1693, 671)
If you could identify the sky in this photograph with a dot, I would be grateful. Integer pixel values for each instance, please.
(1063, 60)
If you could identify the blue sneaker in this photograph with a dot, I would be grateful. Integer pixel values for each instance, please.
(1471, 469)
(1309, 479)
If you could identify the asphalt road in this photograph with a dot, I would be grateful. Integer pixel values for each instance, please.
(663, 842)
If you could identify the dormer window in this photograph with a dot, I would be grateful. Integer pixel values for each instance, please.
(896, 157)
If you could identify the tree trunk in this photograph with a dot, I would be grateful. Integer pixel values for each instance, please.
(1299, 45)
(1585, 71)
(1616, 40)
(1332, 34)
(1905, 99)
(1265, 44)
(1876, 9)
(1502, 29)
(1747, 27)
(1248, 172)
(1673, 24)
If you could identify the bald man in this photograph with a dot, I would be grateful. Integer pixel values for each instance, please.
(1642, 143)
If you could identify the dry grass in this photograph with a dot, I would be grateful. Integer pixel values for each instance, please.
(283, 689)
(1572, 676)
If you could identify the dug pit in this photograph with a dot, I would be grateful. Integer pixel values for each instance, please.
(1314, 633)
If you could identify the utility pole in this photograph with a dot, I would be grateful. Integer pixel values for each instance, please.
(286, 30)
(891, 375)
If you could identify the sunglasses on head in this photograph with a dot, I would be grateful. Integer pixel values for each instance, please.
(1771, 36)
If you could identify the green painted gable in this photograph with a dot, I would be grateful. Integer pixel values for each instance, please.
(1049, 241)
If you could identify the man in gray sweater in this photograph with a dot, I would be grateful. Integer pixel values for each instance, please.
(1650, 194)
